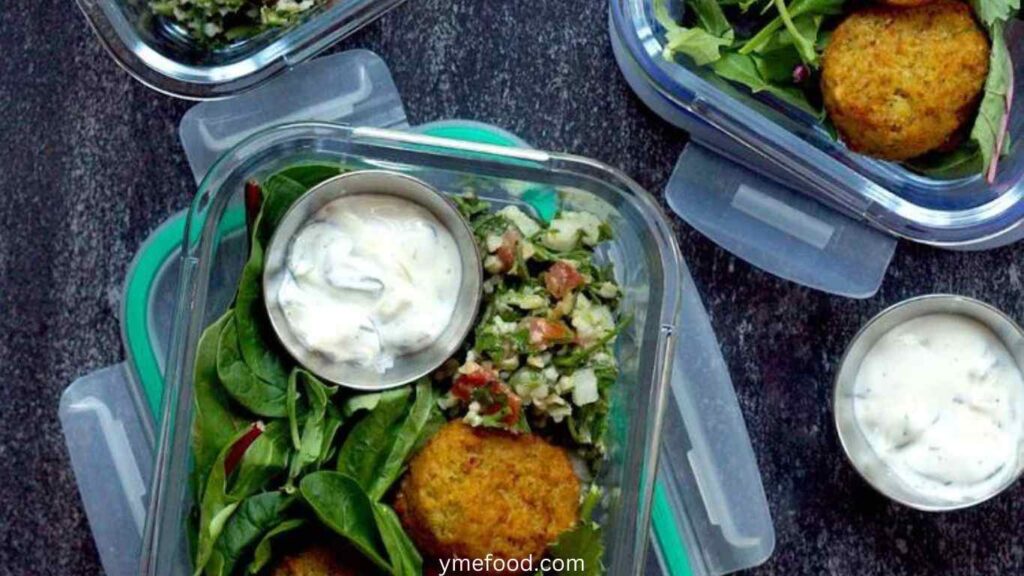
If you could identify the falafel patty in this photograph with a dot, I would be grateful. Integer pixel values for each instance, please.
(473, 492)
(320, 560)
(900, 82)
(906, 3)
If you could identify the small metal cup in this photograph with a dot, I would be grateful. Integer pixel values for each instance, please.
(409, 367)
(855, 445)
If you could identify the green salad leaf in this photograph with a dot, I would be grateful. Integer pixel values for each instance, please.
(254, 393)
(989, 130)
(256, 339)
(423, 421)
(744, 69)
(215, 421)
(703, 44)
(585, 541)
(263, 553)
(317, 429)
(341, 504)
(793, 12)
(405, 559)
(254, 517)
(991, 12)
(234, 477)
(366, 448)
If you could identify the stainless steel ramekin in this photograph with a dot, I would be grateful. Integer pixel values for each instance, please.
(855, 445)
(408, 367)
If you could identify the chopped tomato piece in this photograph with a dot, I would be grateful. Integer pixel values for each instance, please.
(465, 384)
(495, 397)
(562, 278)
(505, 398)
(544, 332)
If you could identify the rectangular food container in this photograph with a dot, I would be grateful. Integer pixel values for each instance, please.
(767, 181)
(159, 52)
(710, 513)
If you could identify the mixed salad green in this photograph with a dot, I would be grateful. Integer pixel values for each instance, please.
(775, 47)
(279, 455)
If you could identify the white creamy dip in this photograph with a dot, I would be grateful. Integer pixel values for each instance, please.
(370, 278)
(939, 399)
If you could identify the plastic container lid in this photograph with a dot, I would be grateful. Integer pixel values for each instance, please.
(710, 515)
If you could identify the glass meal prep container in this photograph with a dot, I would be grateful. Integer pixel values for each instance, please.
(648, 266)
(708, 511)
(159, 52)
(767, 182)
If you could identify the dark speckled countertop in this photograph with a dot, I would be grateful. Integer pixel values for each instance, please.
(92, 164)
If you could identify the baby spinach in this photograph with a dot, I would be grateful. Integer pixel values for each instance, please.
(215, 421)
(279, 193)
(376, 450)
(316, 425)
(424, 419)
(254, 517)
(265, 458)
(256, 339)
(254, 393)
(342, 505)
(405, 559)
(263, 552)
(367, 446)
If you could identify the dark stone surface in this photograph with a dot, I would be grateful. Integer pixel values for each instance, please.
(92, 164)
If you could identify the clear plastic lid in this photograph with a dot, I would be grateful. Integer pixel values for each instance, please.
(793, 149)
(157, 52)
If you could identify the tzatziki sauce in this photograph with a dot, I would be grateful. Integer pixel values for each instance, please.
(939, 399)
(370, 278)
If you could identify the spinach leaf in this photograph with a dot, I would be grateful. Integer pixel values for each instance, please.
(263, 553)
(309, 175)
(360, 402)
(743, 69)
(368, 445)
(342, 505)
(291, 400)
(254, 517)
(255, 394)
(229, 483)
(423, 421)
(405, 559)
(215, 422)
(315, 428)
(256, 339)
(332, 423)
(279, 193)
(988, 131)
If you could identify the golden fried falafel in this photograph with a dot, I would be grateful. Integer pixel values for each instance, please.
(322, 560)
(906, 3)
(472, 492)
(900, 82)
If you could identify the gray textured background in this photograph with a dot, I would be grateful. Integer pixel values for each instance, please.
(91, 164)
